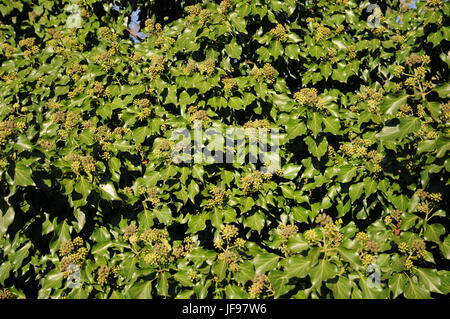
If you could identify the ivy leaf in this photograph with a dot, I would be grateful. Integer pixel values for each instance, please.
(433, 232)
(197, 222)
(323, 271)
(22, 175)
(235, 292)
(83, 187)
(255, 222)
(429, 279)
(297, 243)
(297, 267)
(414, 291)
(108, 192)
(392, 103)
(332, 125)
(445, 247)
(162, 284)
(341, 289)
(356, 191)
(317, 150)
(140, 290)
(265, 262)
(279, 281)
(220, 269)
(233, 50)
(315, 123)
(397, 284)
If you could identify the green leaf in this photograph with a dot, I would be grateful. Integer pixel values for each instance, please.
(140, 290)
(443, 91)
(346, 173)
(356, 191)
(220, 269)
(332, 124)
(323, 271)
(397, 284)
(140, 134)
(294, 130)
(233, 49)
(445, 247)
(429, 278)
(315, 123)
(197, 222)
(433, 232)
(6, 220)
(297, 243)
(290, 171)
(297, 266)
(279, 281)
(255, 221)
(246, 272)
(247, 203)
(341, 289)
(414, 291)
(162, 284)
(409, 125)
(164, 214)
(235, 292)
(108, 191)
(392, 103)
(145, 219)
(317, 150)
(265, 262)
(22, 175)
(83, 187)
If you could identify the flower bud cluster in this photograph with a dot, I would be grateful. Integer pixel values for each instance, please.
(7, 49)
(107, 274)
(279, 32)
(163, 150)
(86, 164)
(6, 294)
(198, 115)
(260, 284)
(321, 32)
(207, 67)
(428, 201)
(373, 98)
(308, 97)
(72, 252)
(229, 84)
(76, 71)
(267, 73)
(219, 195)
(45, 144)
(224, 8)
(254, 182)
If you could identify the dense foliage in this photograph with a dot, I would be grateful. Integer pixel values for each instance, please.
(358, 208)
